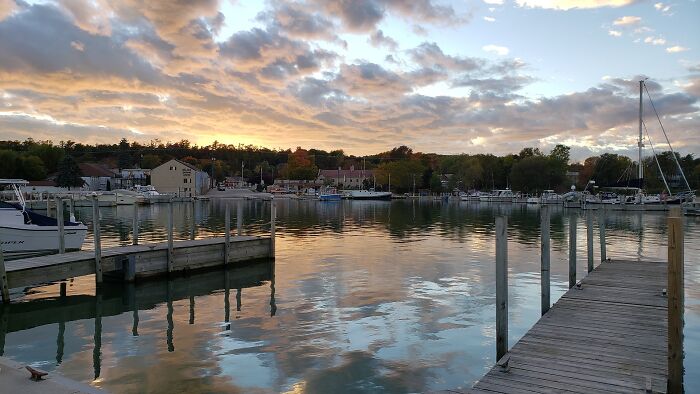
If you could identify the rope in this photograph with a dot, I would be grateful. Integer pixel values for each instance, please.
(656, 158)
(666, 136)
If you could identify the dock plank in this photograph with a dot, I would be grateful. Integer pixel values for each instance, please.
(608, 336)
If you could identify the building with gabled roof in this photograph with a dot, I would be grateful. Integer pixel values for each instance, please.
(179, 178)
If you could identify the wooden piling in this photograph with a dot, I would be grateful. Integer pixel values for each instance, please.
(171, 252)
(273, 217)
(194, 223)
(61, 226)
(3, 279)
(96, 236)
(676, 301)
(572, 250)
(601, 225)
(544, 258)
(239, 218)
(501, 287)
(227, 236)
(135, 226)
(589, 239)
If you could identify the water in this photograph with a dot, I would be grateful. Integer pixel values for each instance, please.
(363, 297)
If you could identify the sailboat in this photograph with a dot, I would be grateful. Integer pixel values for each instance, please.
(24, 232)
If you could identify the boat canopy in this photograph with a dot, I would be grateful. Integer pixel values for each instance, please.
(4, 181)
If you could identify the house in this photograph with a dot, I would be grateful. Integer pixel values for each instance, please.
(45, 186)
(236, 182)
(179, 178)
(294, 185)
(344, 179)
(97, 177)
(131, 177)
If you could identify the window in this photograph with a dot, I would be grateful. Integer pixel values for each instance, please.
(185, 181)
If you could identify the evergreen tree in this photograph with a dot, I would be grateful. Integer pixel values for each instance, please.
(69, 173)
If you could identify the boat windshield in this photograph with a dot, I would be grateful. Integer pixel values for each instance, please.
(15, 184)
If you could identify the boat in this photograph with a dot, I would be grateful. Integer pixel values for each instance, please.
(533, 200)
(151, 195)
(24, 232)
(370, 194)
(128, 197)
(330, 195)
(471, 196)
(550, 197)
(502, 195)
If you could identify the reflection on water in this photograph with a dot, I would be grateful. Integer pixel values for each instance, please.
(363, 296)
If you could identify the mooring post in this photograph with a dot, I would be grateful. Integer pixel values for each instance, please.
(239, 217)
(170, 236)
(676, 301)
(194, 222)
(544, 257)
(273, 216)
(135, 226)
(3, 279)
(589, 239)
(96, 236)
(572, 250)
(61, 226)
(501, 287)
(227, 235)
(601, 224)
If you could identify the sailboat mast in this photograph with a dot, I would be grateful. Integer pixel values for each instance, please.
(640, 144)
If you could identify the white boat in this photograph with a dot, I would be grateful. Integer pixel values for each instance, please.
(151, 195)
(504, 195)
(24, 232)
(533, 200)
(471, 196)
(370, 194)
(550, 197)
(128, 197)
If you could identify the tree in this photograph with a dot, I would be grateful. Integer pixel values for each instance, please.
(31, 168)
(300, 166)
(124, 156)
(10, 162)
(402, 174)
(49, 154)
(150, 161)
(69, 173)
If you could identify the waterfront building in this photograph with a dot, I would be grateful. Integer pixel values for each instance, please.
(344, 179)
(180, 178)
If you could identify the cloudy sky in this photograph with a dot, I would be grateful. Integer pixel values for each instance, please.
(362, 75)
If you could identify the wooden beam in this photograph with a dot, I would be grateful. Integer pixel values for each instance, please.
(589, 239)
(273, 217)
(545, 258)
(572, 250)
(676, 301)
(501, 287)
(239, 217)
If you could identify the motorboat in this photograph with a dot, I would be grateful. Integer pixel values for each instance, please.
(151, 195)
(370, 194)
(329, 195)
(502, 195)
(128, 197)
(24, 232)
(550, 197)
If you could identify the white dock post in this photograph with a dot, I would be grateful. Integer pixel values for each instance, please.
(135, 226)
(170, 236)
(676, 301)
(601, 225)
(273, 217)
(96, 236)
(61, 226)
(4, 286)
(572, 250)
(589, 239)
(227, 225)
(545, 258)
(239, 217)
(501, 287)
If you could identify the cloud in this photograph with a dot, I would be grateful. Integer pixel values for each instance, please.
(489, 19)
(7, 7)
(378, 39)
(627, 21)
(496, 2)
(615, 33)
(498, 50)
(655, 41)
(573, 4)
(676, 49)
(429, 54)
(297, 20)
(664, 8)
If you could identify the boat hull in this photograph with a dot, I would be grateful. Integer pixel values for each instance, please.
(29, 239)
(330, 197)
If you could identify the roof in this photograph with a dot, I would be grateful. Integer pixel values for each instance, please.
(96, 170)
(184, 163)
(42, 183)
(13, 182)
(345, 173)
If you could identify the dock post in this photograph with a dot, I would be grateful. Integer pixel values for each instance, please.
(589, 239)
(170, 236)
(135, 226)
(96, 236)
(572, 250)
(601, 224)
(239, 217)
(194, 222)
(544, 258)
(3, 279)
(273, 216)
(61, 226)
(501, 287)
(676, 301)
(227, 225)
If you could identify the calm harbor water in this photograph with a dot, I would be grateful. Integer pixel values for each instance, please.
(362, 297)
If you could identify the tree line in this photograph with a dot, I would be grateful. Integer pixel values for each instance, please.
(530, 170)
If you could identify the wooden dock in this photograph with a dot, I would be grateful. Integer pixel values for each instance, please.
(608, 336)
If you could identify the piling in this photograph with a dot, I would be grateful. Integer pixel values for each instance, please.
(544, 257)
(601, 224)
(135, 226)
(273, 216)
(194, 223)
(227, 225)
(589, 239)
(61, 226)
(239, 218)
(572, 250)
(170, 236)
(676, 301)
(501, 287)
(96, 236)
(3, 279)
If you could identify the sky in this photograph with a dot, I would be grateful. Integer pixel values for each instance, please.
(488, 76)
